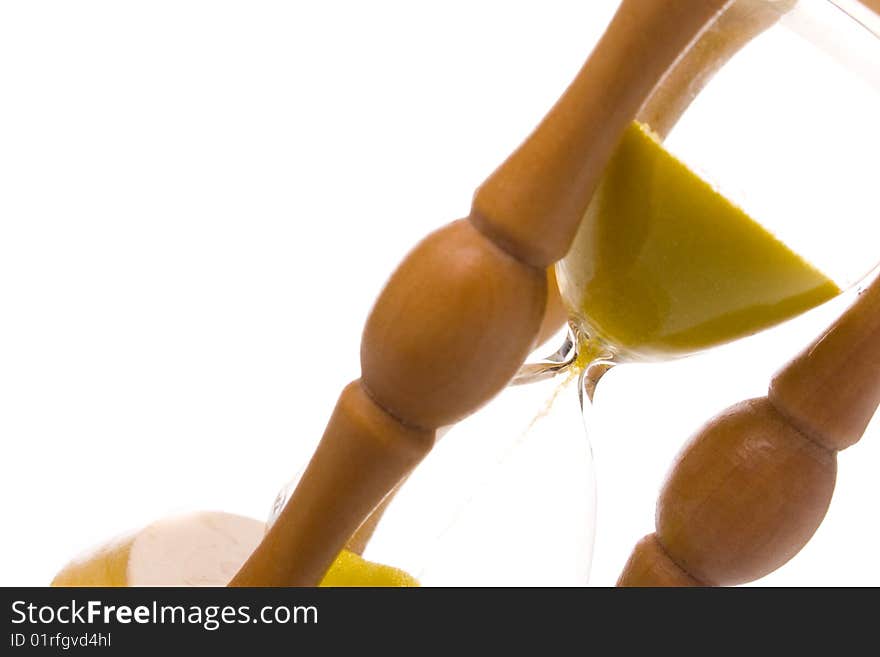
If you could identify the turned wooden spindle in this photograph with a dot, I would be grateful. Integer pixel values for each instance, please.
(461, 313)
(752, 487)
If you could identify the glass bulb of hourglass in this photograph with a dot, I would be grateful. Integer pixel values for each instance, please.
(784, 130)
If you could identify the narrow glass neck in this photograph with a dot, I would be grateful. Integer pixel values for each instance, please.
(592, 359)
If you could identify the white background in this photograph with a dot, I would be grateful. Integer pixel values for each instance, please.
(199, 202)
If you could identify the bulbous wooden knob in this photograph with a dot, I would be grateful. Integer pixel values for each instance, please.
(454, 323)
(744, 496)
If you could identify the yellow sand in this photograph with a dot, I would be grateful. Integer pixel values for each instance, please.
(663, 265)
(350, 569)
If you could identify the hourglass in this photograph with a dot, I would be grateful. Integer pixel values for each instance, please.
(673, 193)
(660, 267)
(655, 274)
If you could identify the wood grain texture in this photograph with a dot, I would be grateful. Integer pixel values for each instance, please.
(453, 325)
(744, 496)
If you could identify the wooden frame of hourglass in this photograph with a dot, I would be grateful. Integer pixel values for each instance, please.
(432, 353)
